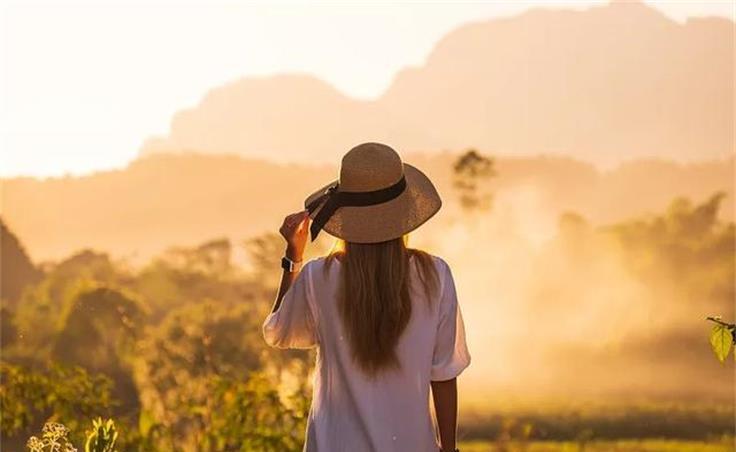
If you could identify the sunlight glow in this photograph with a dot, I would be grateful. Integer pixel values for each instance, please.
(84, 85)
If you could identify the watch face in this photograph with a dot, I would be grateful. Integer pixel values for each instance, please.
(286, 264)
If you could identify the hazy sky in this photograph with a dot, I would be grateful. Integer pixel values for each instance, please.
(85, 83)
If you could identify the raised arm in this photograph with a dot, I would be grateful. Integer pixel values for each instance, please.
(294, 230)
(444, 394)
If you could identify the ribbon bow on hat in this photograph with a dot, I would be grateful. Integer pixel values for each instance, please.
(332, 199)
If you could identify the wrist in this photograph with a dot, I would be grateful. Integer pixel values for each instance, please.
(293, 254)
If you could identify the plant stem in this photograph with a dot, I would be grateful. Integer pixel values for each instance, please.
(721, 322)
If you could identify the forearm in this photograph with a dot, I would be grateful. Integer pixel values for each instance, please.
(287, 278)
(444, 394)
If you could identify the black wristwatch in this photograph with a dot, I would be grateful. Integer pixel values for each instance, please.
(290, 265)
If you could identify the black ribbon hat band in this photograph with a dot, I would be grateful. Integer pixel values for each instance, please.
(334, 199)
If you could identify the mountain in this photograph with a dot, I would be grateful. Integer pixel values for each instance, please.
(185, 199)
(606, 84)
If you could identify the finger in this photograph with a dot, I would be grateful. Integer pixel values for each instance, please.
(302, 227)
(294, 218)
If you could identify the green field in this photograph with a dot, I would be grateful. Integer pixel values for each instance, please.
(650, 445)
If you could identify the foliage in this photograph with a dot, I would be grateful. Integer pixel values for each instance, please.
(191, 346)
(210, 258)
(471, 171)
(178, 342)
(690, 249)
(196, 352)
(605, 421)
(96, 325)
(722, 337)
(16, 269)
(8, 331)
(513, 431)
(102, 437)
(184, 276)
(265, 253)
(38, 316)
(68, 394)
(53, 439)
(679, 244)
(252, 416)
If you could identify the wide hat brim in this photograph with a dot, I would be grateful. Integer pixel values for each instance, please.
(386, 221)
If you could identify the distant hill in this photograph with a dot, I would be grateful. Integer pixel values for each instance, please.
(605, 84)
(16, 269)
(185, 199)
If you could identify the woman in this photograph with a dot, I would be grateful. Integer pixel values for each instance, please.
(384, 318)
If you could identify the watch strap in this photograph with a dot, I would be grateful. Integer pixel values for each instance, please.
(290, 265)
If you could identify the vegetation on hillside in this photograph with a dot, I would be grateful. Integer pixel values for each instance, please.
(172, 350)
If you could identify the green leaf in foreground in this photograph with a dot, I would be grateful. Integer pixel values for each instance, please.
(721, 341)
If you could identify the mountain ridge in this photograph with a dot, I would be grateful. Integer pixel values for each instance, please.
(605, 84)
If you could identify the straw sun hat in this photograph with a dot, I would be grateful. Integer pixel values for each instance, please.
(376, 198)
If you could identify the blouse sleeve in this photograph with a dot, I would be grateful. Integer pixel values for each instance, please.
(451, 354)
(292, 325)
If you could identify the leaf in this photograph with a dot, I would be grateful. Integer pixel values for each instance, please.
(721, 341)
(145, 422)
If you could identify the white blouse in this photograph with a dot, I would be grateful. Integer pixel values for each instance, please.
(351, 412)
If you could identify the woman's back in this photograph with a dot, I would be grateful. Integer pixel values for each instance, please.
(352, 410)
(384, 318)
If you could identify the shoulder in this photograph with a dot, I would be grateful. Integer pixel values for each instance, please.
(318, 266)
(316, 263)
(440, 264)
(443, 268)
(311, 265)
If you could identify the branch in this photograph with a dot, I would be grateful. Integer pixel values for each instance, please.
(721, 322)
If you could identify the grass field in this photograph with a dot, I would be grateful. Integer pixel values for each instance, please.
(650, 445)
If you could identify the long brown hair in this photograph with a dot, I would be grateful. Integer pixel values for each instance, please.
(375, 304)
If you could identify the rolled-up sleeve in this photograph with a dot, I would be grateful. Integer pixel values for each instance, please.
(451, 355)
(292, 325)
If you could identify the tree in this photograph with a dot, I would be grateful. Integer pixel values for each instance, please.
(193, 347)
(59, 393)
(38, 315)
(211, 258)
(253, 415)
(687, 244)
(16, 269)
(98, 329)
(471, 172)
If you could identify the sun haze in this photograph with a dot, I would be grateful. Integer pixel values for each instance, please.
(86, 85)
